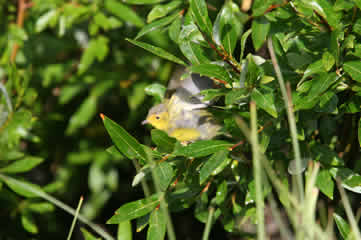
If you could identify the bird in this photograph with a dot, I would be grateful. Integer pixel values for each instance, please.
(184, 114)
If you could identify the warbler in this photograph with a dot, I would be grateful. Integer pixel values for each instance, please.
(184, 115)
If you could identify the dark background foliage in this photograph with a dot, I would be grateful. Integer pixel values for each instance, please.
(64, 62)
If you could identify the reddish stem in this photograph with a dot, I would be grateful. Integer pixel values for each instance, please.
(22, 6)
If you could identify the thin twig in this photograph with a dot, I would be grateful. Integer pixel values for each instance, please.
(40, 193)
(22, 6)
(75, 218)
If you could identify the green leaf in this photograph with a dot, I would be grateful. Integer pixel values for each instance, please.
(87, 235)
(221, 193)
(322, 84)
(200, 16)
(126, 143)
(165, 174)
(202, 148)
(41, 207)
(123, 12)
(326, 156)
(243, 41)
(156, 25)
(353, 68)
(342, 226)
(259, 7)
(174, 29)
(23, 165)
(162, 10)
(315, 67)
(211, 164)
(22, 188)
(83, 115)
(298, 61)
(124, 231)
(325, 9)
(28, 222)
(265, 101)
(193, 52)
(97, 49)
(142, 2)
(157, 225)
(142, 222)
(328, 61)
(156, 90)
(112, 150)
(349, 179)
(45, 20)
(227, 27)
(260, 29)
(135, 209)
(163, 141)
(157, 51)
(319, 85)
(211, 70)
(358, 3)
(325, 183)
(235, 95)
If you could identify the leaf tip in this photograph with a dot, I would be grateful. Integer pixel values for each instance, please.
(102, 116)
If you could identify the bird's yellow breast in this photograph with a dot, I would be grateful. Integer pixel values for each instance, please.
(185, 134)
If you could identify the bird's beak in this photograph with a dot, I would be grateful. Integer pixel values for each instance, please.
(145, 122)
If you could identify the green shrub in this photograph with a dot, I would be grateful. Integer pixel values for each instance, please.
(288, 76)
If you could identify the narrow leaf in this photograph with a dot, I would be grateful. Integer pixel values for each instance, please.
(322, 84)
(260, 29)
(162, 10)
(157, 225)
(165, 173)
(353, 68)
(193, 52)
(44, 20)
(202, 148)
(211, 164)
(200, 16)
(342, 226)
(126, 143)
(157, 51)
(22, 165)
(22, 187)
(349, 179)
(123, 12)
(156, 25)
(135, 209)
(211, 70)
(228, 27)
(325, 183)
(28, 222)
(244, 40)
(265, 102)
(163, 141)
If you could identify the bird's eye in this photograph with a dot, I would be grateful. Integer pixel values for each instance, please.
(157, 117)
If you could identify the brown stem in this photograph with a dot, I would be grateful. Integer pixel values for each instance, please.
(22, 6)
(224, 56)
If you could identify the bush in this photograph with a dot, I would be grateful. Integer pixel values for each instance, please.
(288, 81)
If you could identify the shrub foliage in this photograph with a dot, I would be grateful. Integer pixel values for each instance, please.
(288, 76)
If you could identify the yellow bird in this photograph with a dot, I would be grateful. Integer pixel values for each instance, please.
(184, 116)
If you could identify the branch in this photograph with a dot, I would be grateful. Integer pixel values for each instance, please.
(22, 6)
